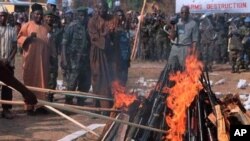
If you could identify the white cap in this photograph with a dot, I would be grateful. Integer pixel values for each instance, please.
(54, 2)
(3, 9)
(117, 3)
(90, 10)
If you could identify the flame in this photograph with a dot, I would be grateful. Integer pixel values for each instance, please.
(181, 95)
(122, 99)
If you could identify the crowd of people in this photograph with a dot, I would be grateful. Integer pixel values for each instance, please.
(220, 38)
(94, 49)
(95, 46)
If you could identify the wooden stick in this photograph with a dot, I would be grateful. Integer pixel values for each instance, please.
(73, 106)
(90, 108)
(71, 93)
(12, 102)
(221, 127)
(135, 45)
(71, 119)
(67, 108)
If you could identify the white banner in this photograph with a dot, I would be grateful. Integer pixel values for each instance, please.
(215, 6)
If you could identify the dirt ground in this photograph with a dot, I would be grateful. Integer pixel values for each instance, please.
(53, 127)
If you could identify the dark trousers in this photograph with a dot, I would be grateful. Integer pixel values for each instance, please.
(6, 93)
(80, 79)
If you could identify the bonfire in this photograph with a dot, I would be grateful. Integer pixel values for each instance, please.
(181, 107)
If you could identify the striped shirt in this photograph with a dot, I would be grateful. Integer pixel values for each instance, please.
(7, 38)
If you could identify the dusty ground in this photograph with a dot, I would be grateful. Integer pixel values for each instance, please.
(52, 127)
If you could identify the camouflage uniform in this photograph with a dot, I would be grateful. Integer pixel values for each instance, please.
(162, 45)
(75, 41)
(207, 42)
(56, 37)
(145, 39)
(221, 55)
(235, 48)
(245, 35)
(152, 33)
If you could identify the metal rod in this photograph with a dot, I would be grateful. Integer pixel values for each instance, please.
(200, 118)
(189, 124)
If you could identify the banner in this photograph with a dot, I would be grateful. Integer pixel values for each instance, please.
(215, 6)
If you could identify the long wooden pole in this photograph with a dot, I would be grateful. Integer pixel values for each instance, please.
(69, 109)
(74, 110)
(72, 120)
(71, 93)
(72, 106)
(135, 45)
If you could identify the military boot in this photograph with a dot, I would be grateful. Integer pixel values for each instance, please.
(246, 67)
(233, 69)
(237, 70)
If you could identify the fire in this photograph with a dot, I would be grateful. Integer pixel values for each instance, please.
(181, 95)
(122, 99)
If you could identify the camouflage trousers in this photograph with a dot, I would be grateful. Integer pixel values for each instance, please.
(235, 59)
(80, 80)
(207, 55)
(53, 73)
(162, 49)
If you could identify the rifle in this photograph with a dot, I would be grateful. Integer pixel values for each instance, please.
(158, 99)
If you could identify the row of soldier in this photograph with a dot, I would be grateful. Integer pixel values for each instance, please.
(225, 39)
(215, 39)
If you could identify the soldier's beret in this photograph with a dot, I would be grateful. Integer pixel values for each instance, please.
(82, 9)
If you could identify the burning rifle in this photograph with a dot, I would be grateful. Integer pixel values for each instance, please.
(156, 104)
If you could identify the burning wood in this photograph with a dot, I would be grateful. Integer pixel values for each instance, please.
(182, 104)
(181, 95)
(121, 98)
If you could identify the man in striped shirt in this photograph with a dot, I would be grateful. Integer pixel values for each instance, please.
(8, 49)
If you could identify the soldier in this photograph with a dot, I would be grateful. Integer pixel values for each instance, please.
(54, 42)
(68, 18)
(152, 34)
(77, 59)
(221, 41)
(162, 42)
(246, 41)
(208, 36)
(51, 5)
(234, 47)
(144, 35)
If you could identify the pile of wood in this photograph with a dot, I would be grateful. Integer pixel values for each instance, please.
(208, 118)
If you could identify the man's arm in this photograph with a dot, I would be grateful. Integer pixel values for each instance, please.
(195, 35)
(13, 51)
